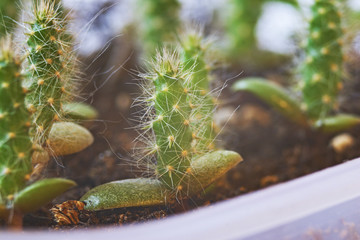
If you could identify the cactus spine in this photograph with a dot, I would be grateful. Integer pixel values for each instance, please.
(172, 123)
(193, 57)
(322, 70)
(47, 68)
(15, 143)
(160, 22)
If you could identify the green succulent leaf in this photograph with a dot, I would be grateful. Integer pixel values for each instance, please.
(275, 96)
(67, 138)
(147, 192)
(126, 193)
(79, 111)
(337, 123)
(41, 192)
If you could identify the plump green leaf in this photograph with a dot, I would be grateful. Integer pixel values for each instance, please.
(337, 123)
(68, 138)
(275, 96)
(41, 192)
(79, 111)
(126, 193)
(146, 192)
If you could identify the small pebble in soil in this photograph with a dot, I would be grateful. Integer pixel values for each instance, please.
(342, 142)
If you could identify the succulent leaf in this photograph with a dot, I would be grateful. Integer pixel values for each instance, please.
(275, 96)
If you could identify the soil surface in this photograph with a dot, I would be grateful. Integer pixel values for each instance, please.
(274, 149)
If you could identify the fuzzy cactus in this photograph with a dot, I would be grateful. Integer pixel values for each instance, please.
(179, 171)
(47, 68)
(172, 122)
(160, 22)
(193, 51)
(322, 71)
(15, 143)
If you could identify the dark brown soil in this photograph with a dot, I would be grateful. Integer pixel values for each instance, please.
(274, 149)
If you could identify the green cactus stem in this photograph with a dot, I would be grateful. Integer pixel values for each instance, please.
(241, 20)
(160, 23)
(193, 52)
(47, 68)
(15, 143)
(241, 25)
(172, 121)
(322, 70)
(148, 192)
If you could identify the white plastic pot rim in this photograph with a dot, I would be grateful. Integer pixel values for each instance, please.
(238, 218)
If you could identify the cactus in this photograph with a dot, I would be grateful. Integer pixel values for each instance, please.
(180, 172)
(15, 143)
(172, 122)
(193, 56)
(160, 22)
(241, 24)
(322, 71)
(47, 68)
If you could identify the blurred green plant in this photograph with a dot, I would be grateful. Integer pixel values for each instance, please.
(321, 75)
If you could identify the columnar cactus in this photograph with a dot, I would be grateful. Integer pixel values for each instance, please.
(160, 22)
(180, 172)
(15, 143)
(172, 122)
(193, 52)
(47, 68)
(241, 25)
(322, 71)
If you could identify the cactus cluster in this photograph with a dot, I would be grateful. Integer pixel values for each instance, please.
(15, 143)
(322, 72)
(160, 20)
(31, 112)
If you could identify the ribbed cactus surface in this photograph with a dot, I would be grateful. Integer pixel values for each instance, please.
(322, 71)
(15, 144)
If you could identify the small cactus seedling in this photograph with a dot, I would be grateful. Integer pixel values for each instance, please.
(46, 68)
(321, 75)
(160, 22)
(241, 24)
(322, 72)
(180, 171)
(172, 122)
(193, 52)
(50, 65)
(15, 143)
